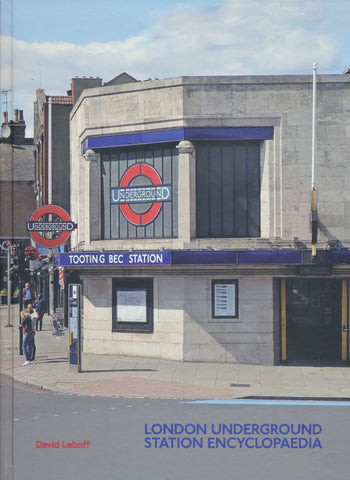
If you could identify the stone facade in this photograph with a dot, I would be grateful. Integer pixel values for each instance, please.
(184, 327)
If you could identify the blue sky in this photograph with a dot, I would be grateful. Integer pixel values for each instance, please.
(82, 21)
(45, 43)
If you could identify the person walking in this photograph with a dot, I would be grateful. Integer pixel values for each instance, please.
(34, 316)
(28, 338)
(40, 307)
(27, 295)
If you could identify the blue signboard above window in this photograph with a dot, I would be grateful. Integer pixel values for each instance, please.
(178, 134)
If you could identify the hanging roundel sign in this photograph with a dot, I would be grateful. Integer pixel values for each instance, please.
(130, 194)
(50, 226)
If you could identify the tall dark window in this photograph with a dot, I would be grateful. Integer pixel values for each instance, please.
(114, 163)
(228, 189)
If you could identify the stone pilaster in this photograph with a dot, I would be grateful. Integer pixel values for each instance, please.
(187, 192)
(93, 196)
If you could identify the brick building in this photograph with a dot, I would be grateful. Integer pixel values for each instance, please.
(17, 182)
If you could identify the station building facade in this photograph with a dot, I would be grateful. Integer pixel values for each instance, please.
(192, 197)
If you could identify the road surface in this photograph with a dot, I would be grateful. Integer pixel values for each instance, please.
(59, 436)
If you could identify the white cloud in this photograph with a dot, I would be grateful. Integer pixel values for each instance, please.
(237, 37)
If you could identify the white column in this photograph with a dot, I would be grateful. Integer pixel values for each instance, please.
(187, 191)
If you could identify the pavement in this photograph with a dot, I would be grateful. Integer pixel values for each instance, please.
(115, 375)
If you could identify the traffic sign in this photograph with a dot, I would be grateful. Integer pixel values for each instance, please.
(59, 230)
(32, 253)
(8, 246)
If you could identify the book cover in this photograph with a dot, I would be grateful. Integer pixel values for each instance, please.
(174, 243)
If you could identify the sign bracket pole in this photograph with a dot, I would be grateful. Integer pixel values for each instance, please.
(9, 286)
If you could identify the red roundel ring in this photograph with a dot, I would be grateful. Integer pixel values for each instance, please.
(149, 172)
(46, 242)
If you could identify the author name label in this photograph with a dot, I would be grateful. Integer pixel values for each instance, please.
(62, 444)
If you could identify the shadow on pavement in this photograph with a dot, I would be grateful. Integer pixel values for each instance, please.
(121, 370)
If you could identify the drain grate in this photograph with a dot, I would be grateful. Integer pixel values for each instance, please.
(245, 385)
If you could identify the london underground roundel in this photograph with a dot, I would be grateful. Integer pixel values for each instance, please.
(50, 226)
(128, 195)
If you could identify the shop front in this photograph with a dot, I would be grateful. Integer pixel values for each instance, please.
(224, 306)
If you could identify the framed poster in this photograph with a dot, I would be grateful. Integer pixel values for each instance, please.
(131, 305)
(225, 298)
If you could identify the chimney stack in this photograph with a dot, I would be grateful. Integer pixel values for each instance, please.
(17, 127)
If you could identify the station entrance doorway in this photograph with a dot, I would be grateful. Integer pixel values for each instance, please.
(314, 321)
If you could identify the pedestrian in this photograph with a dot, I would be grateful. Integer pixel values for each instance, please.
(35, 319)
(28, 337)
(34, 316)
(27, 295)
(40, 307)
